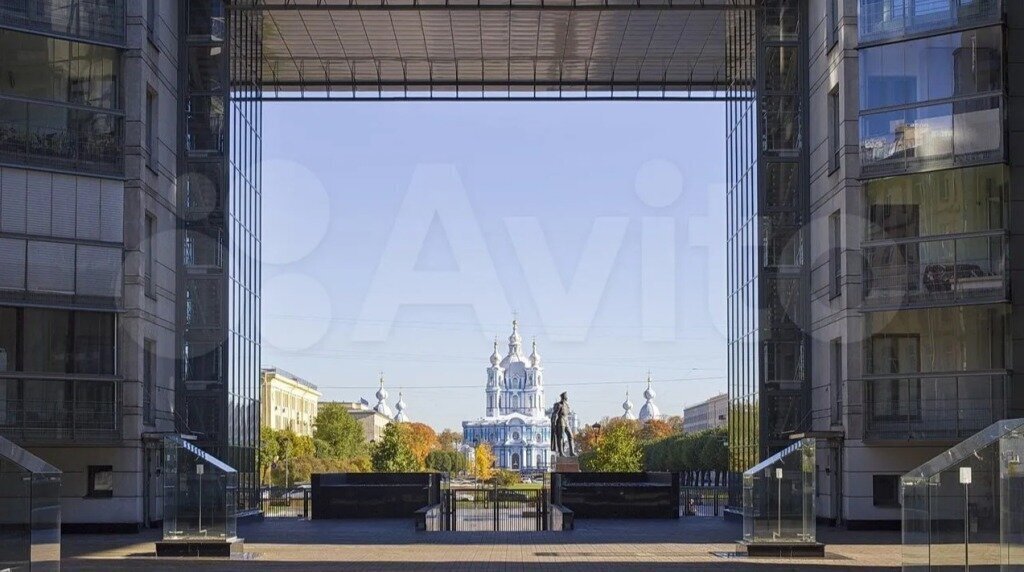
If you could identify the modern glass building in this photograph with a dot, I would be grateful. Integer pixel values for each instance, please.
(870, 170)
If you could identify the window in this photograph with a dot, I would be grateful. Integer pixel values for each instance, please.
(93, 343)
(152, 142)
(47, 340)
(148, 380)
(8, 339)
(835, 245)
(148, 253)
(836, 373)
(835, 138)
(885, 490)
(834, 18)
(101, 481)
(58, 341)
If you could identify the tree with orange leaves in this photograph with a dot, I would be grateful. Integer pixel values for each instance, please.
(655, 429)
(422, 440)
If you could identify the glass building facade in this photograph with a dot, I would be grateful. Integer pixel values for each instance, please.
(936, 189)
(766, 226)
(218, 389)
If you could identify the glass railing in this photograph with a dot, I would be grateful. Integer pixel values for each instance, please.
(892, 19)
(928, 407)
(98, 20)
(962, 510)
(72, 410)
(200, 493)
(778, 497)
(53, 135)
(935, 270)
(930, 137)
(29, 511)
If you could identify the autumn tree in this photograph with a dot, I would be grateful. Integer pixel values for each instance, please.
(483, 462)
(449, 440)
(267, 453)
(392, 453)
(655, 429)
(422, 440)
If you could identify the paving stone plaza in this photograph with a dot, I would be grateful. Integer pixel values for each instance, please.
(295, 544)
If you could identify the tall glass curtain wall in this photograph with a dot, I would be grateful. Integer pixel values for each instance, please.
(742, 267)
(936, 248)
(768, 282)
(218, 389)
(783, 213)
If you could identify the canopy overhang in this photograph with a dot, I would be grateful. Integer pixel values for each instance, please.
(495, 48)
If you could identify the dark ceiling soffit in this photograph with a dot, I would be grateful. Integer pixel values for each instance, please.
(448, 5)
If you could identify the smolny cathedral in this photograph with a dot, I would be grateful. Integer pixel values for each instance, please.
(516, 423)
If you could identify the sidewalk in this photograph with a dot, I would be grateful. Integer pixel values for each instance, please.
(293, 544)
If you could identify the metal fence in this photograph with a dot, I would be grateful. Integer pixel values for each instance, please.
(494, 509)
(703, 501)
(281, 502)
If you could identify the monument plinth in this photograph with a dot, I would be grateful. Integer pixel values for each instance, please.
(564, 464)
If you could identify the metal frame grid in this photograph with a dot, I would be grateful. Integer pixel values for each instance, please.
(495, 50)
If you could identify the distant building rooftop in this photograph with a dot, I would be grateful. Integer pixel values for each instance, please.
(289, 375)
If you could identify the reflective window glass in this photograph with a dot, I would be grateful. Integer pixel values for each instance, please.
(93, 343)
(47, 340)
(8, 339)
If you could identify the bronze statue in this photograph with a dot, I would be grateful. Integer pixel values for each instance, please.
(561, 433)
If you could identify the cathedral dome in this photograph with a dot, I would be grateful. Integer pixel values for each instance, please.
(535, 356)
(382, 396)
(400, 408)
(649, 411)
(627, 407)
(495, 357)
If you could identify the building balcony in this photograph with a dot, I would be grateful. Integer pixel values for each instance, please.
(48, 411)
(932, 408)
(935, 271)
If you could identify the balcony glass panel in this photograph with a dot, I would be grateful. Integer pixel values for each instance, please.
(60, 410)
(931, 407)
(56, 136)
(40, 67)
(931, 137)
(936, 271)
(937, 340)
(942, 202)
(892, 19)
(100, 20)
(199, 493)
(29, 511)
(959, 65)
(963, 508)
(778, 497)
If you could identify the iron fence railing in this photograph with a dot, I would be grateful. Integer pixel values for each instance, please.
(703, 501)
(279, 502)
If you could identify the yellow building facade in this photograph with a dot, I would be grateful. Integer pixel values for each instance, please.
(287, 401)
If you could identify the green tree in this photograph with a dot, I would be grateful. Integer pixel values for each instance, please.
(336, 434)
(268, 452)
(617, 450)
(392, 453)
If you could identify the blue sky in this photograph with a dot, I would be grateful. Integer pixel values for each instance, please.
(401, 237)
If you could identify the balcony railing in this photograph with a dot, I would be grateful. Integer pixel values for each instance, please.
(935, 271)
(81, 411)
(927, 407)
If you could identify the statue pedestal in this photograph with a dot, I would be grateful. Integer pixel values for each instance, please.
(567, 464)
